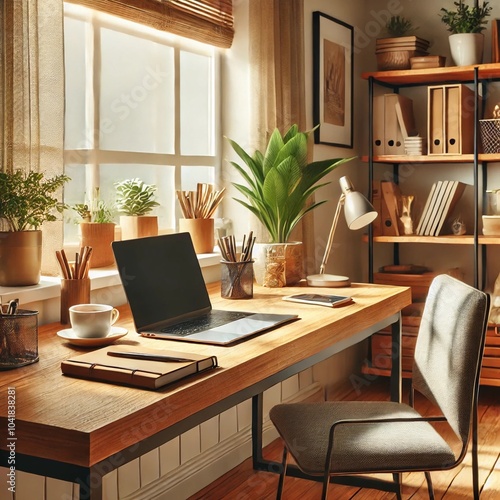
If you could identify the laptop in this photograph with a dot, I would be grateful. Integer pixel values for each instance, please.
(168, 298)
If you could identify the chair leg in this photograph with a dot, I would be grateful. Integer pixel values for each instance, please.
(326, 483)
(397, 481)
(282, 474)
(430, 489)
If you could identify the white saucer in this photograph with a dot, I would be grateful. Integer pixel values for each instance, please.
(115, 333)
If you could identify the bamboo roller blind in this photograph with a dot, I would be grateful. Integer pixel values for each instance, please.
(208, 21)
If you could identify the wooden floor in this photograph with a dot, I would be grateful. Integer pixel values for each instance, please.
(243, 483)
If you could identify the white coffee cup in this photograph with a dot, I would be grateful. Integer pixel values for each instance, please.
(92, 320)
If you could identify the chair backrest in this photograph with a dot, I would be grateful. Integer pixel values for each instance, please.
(449, 349)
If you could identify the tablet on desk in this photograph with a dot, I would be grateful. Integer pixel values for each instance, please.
(319, 299)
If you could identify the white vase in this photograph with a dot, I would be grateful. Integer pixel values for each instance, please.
(278, 264)
(467, 48)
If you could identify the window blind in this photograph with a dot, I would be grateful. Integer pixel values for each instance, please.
(207, 21)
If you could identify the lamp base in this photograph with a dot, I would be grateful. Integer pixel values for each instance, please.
(328, 280)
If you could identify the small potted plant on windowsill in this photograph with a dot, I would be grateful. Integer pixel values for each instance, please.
(135, 200)
(97, 229)
(27, 200)
(466, 25)
(279, 184)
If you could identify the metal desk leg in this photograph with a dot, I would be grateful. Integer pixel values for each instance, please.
(396, 369)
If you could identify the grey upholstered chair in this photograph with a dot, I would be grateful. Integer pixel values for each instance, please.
(348, 438)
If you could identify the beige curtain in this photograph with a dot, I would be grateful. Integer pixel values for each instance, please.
(32, 97)
(278, 80)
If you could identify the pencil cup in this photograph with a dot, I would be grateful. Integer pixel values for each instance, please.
(236, 280)
(73, 292)
(18, 339)
(202, 233)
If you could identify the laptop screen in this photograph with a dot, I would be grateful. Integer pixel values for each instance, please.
(162, 278)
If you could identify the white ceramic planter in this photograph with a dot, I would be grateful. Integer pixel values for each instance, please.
(467, 48)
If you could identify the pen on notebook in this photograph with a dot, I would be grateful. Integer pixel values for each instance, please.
(149, 357)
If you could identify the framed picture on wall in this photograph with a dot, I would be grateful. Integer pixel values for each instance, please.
(333, 57)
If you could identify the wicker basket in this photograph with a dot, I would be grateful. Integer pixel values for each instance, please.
(490, 135)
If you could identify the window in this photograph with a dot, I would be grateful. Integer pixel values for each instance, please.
(139, 103)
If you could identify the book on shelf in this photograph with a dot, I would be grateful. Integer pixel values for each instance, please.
(137, 366)
(428, 208)
(435, 212)
(455, 193)
(442, 199)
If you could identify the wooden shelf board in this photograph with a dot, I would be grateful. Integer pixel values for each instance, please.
(468, 158)
(468, 239)
(489, 71)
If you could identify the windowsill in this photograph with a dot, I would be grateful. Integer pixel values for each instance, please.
(50, 286)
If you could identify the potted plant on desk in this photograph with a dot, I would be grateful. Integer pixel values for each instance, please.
(97, 230)
(27, 200)
(136, 200)
(466, 25)
(279, 184)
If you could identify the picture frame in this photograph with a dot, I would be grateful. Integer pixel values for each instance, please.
(333, 63)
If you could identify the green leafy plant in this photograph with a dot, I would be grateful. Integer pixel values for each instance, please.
(27, 200)
(134, 197)
(399, 26)
(465, 19)
(96, 210)
(280, 181)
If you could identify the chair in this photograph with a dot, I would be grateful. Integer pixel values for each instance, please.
(351, 438)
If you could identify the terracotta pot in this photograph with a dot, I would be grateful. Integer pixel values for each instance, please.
(202, 233)
(99, 237)
(138, 226)
(20, 258)
(278, 264)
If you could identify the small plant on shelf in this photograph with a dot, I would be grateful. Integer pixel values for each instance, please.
(399, 26)
(465, 19)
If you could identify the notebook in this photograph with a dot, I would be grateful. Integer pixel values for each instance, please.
(168, 298)
(110, 365)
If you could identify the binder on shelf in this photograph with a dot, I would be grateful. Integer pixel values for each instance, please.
(450, 119)
(459, 119)
(435, 120)
(438, 193)
(391, 202)
(393, 135)
(454, 196)
(378, 125)
(406, 119)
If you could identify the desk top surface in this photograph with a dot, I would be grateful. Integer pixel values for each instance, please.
(82, 422)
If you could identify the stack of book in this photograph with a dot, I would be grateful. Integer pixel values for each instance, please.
(395, 53)
(439, 206)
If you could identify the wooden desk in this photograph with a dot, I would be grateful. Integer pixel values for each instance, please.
(79, 430)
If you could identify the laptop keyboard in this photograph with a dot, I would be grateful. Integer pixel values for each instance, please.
(203, 323)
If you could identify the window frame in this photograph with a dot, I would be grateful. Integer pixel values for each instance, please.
(94, 157)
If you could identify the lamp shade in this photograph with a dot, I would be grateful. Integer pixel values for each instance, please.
(358, 211)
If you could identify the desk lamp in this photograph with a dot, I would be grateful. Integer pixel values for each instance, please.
(358, 212)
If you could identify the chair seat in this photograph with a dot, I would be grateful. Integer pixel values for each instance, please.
(360, 447)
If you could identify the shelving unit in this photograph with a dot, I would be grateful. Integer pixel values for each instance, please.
(478, 76)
